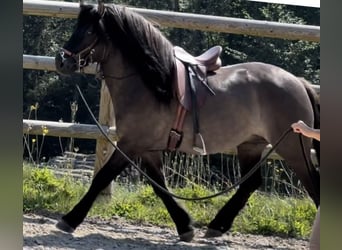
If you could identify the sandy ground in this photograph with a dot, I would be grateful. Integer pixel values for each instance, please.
(39, 232)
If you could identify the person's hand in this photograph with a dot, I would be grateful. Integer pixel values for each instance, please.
(301, 127)
(304, 129)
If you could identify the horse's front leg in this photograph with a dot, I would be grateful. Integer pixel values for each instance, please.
(152, 163)
(107, 173)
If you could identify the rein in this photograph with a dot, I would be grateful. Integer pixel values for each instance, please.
(242, 179)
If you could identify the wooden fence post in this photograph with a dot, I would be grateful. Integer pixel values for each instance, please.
(104, 149)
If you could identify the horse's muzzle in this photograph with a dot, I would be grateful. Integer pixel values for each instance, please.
(65, 64)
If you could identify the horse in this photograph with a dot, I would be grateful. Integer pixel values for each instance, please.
(254, 103)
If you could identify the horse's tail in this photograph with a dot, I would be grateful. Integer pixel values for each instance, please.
(314, 99)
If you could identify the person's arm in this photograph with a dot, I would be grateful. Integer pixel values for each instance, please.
(301, 127)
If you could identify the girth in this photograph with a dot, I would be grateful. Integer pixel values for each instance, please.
(191, 89)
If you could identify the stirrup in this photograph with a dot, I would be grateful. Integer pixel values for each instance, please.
(201, 150)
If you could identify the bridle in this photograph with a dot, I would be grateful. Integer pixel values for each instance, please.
(83, 61)
(84, 56)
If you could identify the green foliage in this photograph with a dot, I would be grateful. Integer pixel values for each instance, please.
(201, 211)
(146, 196)
(272, 215)
(140, 205)
(42, 190)
(264, 214)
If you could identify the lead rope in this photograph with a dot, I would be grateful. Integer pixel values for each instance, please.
(242, 179)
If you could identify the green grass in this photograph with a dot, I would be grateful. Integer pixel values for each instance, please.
(263, 214)
(42, 190)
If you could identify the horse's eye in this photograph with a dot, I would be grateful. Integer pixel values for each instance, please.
(89, 32)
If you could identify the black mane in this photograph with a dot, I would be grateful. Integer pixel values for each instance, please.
(143, 45)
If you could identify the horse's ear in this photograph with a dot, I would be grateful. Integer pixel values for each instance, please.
(100, 7)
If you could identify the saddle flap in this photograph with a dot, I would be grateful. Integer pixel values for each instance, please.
(183, 88)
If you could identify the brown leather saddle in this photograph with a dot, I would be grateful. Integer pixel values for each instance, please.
(191, 90)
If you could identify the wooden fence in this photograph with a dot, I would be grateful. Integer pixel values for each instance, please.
(164, 18)
(189, 21)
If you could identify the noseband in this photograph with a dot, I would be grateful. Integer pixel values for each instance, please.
(82, 57)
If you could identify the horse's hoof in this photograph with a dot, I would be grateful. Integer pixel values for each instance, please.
(211, 233)
(188, 236)
(62, 225)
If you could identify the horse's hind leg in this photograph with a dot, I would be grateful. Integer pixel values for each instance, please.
(152, 163)
(107, 173)
(249, 155)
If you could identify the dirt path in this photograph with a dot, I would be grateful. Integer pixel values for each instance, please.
(39, 232)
